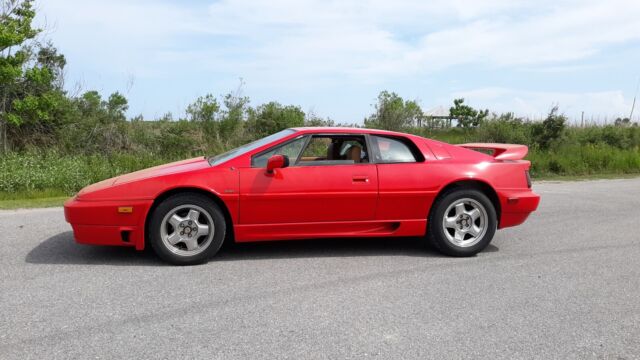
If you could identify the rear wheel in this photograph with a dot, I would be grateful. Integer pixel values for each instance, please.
(187, 229)
(462, 222)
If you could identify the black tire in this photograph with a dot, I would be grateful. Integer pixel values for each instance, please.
(172, 254)
(436, 228)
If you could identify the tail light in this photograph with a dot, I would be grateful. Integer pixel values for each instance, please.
(526, 173)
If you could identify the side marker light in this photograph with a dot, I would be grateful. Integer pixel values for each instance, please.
(125, 209)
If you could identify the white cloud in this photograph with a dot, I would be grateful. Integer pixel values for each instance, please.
(298, 44)
(366, 39)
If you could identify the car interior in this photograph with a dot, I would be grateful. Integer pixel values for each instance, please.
(335, 149)
(341, 149)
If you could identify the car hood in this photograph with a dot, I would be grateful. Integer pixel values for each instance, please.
(166, 169)
(161, 170)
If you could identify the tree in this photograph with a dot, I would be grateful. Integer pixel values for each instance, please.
(38, 104)
(466, 115)
(622, 122)
(89, 104)
(272, 117)
(312, 119)
(93, 109)
(15, 29)
(116, 106)
(205, 108)
(235, 110)
(49, 58)
(393, 112)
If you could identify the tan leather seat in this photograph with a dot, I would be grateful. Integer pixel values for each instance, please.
(354, 154)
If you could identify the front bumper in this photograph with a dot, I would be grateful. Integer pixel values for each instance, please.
(516, 206)
(101, 222)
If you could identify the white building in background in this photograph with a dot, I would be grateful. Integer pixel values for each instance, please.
(438, 111)
(437, 117)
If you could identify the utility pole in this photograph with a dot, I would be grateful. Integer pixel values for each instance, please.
(633, 105)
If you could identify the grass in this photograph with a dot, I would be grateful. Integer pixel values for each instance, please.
(33, 173)
(585, 177)
(32, 203)
(584, 160)
(32, 199)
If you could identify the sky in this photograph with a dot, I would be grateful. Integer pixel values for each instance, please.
(332, 58)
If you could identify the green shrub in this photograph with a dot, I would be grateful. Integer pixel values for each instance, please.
(506, 128)
(549, 131)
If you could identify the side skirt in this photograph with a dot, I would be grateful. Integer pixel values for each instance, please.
(376, 228)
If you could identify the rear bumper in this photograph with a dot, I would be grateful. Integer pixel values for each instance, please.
(516, 206)
(101, 223)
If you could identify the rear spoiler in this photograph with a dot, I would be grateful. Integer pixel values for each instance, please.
(500, 151)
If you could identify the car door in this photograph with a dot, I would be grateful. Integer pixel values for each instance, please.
(329, 179)
(405, 189)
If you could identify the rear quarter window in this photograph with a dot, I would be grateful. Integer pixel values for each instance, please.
(395, 150)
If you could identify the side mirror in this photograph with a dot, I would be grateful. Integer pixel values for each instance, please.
(276, 162)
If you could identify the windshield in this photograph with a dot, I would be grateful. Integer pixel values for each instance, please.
(218, 159)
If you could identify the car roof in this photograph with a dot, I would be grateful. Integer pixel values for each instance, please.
(350, 130)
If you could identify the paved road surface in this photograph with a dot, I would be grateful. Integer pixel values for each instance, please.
(564, 285)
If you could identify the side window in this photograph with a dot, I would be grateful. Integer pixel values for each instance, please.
(317, 149)
(335, 150)
(391, 150)
(291, 149)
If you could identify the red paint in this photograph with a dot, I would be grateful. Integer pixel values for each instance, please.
(501, 151)
(308, 194)
(296, 202)
(276, 162)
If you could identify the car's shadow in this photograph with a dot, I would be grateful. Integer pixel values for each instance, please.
(61, 249)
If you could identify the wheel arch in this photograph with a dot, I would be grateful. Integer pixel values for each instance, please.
(476, 184)
(189, 190)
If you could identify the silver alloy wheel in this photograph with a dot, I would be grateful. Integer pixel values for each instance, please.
(187, 230)
(465, 222)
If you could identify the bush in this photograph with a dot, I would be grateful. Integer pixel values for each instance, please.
(506, 128)
(273, 117)
(550, 130)
(619, 137)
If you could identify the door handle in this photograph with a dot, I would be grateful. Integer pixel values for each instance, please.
(361, 179)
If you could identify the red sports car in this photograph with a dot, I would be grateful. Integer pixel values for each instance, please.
(312, 183)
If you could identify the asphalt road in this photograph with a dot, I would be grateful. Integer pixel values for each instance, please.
(566, 284)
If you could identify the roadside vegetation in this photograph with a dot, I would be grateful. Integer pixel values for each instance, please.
(53, 143)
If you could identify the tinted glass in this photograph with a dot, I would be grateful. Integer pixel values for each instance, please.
(213, 160)
(335, 150)
(290, 149)
(392, 150)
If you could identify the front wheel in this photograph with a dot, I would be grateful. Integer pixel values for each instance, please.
(187, 229)
(462, 222)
